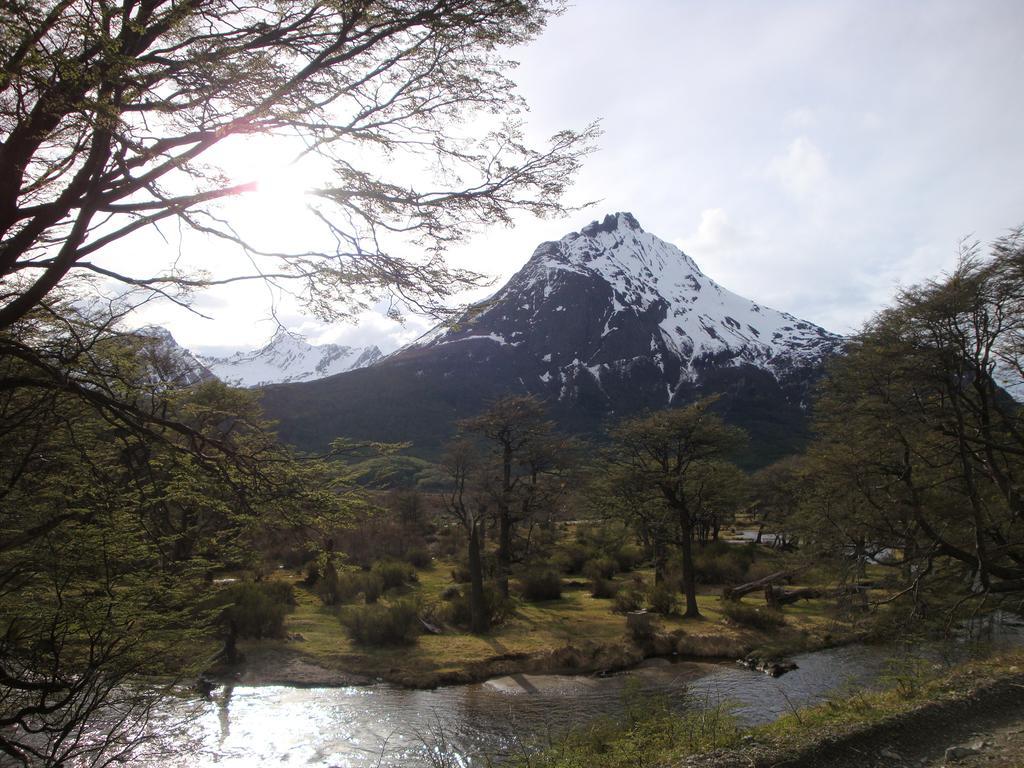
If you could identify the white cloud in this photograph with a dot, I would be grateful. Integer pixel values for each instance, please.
(802, 170)
(715, 234)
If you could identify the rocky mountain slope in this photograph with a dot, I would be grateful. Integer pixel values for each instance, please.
(604, 323)
(169, 362)
(288, 358)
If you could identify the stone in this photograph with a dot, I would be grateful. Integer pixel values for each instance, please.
(953, 754)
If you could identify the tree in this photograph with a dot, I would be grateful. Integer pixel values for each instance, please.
(107, 536)
(112, 113)
(923, 437)
(666, 456)
(520, 435)
(466, 501)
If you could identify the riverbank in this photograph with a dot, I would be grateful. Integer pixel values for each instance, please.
(970, 716)
(576, 634)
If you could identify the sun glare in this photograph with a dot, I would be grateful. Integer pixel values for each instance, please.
(281, 179)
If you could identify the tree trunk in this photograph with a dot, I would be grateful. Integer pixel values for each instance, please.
(689, 577)
(477, 608)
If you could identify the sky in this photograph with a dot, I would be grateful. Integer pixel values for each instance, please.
(811, 156)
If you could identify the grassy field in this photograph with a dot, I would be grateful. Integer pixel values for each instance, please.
(577, 632)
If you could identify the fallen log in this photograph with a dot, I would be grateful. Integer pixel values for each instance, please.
(737, 592)
(776, 597)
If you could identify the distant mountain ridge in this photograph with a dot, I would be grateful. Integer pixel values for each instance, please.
(288, 358)
(285, 358)
(606, 322)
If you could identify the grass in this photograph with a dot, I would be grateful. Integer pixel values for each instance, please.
(654, 736)
(576, 620)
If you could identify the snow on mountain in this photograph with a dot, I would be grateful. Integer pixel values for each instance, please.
(649, 287)
(288, 358)
(169, 362)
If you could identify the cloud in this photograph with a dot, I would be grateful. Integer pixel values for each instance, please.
(715, 234)
(802, 170)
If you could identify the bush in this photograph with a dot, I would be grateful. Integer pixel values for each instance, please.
(572, 558)
(419, 557)
(628, 557)
(603, 589)
(496, 607)
(393, 574)
(337, 588)
(721, 563)
(258, 609)
(642, 627)
(541, 585)
(755, 618)
(628, 600)
(663, 599)
(600, 568)
(376, 625)
(451, 592)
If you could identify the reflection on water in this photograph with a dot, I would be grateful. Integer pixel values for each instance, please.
(387, 726)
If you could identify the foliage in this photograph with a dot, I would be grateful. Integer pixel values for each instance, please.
(458, 610)
(921, 450)
(419, 557)
(111, 521)
(662, 599)
(122, 486)
(381, 625)
(600, 568)
(393, 574)
(667, 472)
(114, 114)
(603, 589)
(537, 586)
(722, 563)
(760, 617)
(258, 609)
(628, 599)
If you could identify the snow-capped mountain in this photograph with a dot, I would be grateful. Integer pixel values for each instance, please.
(613, 297)
(288, 358)
(606, 322)
(169, 362)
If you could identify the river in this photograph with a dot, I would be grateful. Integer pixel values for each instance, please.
(359, 727)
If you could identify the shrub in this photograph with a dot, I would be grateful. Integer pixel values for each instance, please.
(393, 574)
(419, 557)
(755, 618)
(628, 557)
(628, 600)
(451, 592)
(572, 558)
(600, 568)
(496, 607)
(541, 585)
(337, 588)
(642, 627)
(371, 585)
(375, 625)
(603, 588)
(721, 563)
(663, 599)
(258, 609)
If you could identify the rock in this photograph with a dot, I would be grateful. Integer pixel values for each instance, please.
(890, 754)
(953, 754)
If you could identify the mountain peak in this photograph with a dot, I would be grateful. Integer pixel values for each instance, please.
(611, 223)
